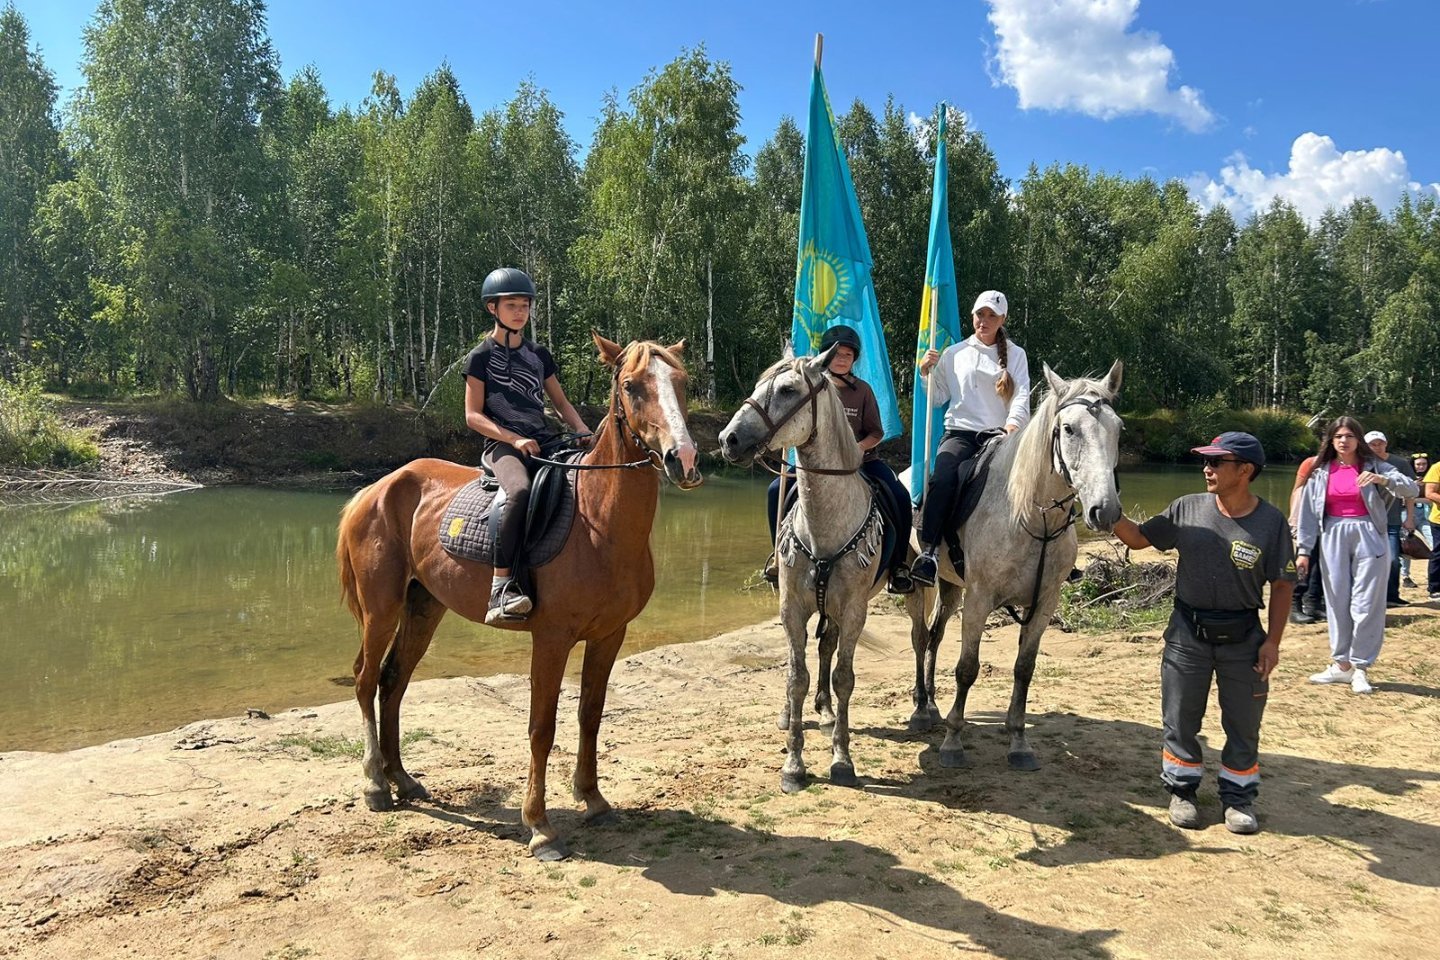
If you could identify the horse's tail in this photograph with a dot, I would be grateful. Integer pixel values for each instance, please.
(348, 590)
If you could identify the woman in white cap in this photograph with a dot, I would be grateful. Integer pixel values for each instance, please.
(984, 382)
(1343, 518)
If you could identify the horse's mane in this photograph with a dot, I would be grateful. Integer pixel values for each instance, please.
(1034, 463)
(637, 357)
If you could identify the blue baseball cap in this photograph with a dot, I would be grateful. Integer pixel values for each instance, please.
(1243, 446)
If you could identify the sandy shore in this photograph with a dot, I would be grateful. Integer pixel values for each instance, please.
(244, 837)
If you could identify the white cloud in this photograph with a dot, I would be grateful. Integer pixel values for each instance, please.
(1078, 55)
(1320, 176)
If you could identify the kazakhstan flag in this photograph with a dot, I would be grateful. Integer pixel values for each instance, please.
(832, 269)
(940, 277)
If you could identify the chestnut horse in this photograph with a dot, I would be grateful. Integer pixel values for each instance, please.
(398, 581)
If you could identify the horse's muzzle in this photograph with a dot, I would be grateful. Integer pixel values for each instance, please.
(682, 466)
(1102, 516)
(736, 448)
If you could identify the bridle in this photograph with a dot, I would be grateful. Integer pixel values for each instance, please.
(1065, 503)
(812, 397)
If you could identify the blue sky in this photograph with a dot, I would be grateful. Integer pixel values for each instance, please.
(1316, 101)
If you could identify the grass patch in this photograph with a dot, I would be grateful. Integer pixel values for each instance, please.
(32, 433)
(330, 748)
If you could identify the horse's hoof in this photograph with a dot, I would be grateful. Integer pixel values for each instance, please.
(827, 718)
(843, 775)
(416, 791)
(954, 759)
(379, 800)
(551, 851)
(792, 782)
(921, 721)
(605, 818)
(1022, 761)
(782, 722)
(935, 715)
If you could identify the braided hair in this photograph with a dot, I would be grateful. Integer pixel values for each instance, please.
(1004, 384)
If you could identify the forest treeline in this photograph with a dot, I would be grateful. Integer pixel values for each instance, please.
(192, 223)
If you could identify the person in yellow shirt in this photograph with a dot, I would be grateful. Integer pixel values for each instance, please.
(1430, 492)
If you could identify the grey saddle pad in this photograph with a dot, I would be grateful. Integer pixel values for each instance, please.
(468, 531)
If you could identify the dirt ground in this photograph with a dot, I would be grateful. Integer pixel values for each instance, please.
(245, 838)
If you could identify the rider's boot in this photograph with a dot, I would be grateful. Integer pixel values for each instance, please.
(507, 601)
(925, 568)
(901, 582)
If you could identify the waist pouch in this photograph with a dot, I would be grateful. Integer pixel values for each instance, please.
(1220, 626)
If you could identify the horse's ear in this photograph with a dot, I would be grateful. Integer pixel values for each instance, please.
(609, 350)
(787, 348)
(821, 362)
(1114, 378)
(677, 348)
(1057, 385)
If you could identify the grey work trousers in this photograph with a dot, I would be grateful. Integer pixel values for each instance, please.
(1355, 561)
(1185, 672)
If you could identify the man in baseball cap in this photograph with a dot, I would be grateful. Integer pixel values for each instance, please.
(1231, 546)
(1400, 517)
(1241, 446)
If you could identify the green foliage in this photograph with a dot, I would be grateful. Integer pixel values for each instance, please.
(1169, 435)
(32, 435)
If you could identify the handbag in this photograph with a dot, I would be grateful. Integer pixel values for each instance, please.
(1414, 547)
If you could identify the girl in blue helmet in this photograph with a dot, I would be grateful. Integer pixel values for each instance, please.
(507, 378)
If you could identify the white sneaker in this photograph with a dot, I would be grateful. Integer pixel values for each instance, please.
(1332, 674)
(1359, 682)
(1435, 596)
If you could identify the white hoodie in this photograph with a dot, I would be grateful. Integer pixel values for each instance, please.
(967, 372)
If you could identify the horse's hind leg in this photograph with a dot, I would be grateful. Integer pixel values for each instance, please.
(422, 615)
(972, 628)
(594, 684)
(383, 606)
(548, 653)
(926, 632)
(945, 608)
(824, 706)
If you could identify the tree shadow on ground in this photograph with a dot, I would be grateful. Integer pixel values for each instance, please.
(1100, 783)
(809, 871)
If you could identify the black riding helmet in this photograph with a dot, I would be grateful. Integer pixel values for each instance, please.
(840, 333)
(507, 282)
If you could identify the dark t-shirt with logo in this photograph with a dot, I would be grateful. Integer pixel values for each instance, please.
(514, 385)
(1224, 562)
(861, 409)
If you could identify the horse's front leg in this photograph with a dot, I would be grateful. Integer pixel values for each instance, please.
(847, 632)
(823, 704)
(917, 605)
(548, 654)
(972, 628)
(594, 683)
(1021, 757)
(792, 775)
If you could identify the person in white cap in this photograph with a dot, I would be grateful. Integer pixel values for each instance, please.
(1342, 517)
(984, 383)
(1399, 517)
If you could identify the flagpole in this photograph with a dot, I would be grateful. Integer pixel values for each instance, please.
(819, 47)
(929, 382)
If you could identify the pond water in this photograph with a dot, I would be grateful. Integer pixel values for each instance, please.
(126, 617)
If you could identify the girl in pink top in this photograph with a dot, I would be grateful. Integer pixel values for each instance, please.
(1342, 493)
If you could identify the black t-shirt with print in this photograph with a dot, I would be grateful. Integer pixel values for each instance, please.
(1225, 562)
(514, 385)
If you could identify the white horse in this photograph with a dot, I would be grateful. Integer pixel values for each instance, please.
(828, 546)
(1019, 546)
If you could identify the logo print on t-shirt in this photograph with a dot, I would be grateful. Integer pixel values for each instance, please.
(1244, 555)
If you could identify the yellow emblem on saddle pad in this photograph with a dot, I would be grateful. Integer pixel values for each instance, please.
(457, 525)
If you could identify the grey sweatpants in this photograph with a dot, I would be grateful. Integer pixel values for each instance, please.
(1185, 673)
(1354, 564)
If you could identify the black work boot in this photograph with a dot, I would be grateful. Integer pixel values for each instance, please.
(925, 569)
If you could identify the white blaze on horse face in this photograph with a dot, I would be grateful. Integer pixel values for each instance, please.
(663, 376)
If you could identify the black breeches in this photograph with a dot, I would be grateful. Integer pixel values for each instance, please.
(957, 449)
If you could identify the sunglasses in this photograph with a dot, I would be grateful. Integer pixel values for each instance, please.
(1214, 462)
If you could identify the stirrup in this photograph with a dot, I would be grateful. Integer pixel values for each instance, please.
(509, 604)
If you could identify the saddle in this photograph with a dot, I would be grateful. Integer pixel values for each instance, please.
(973, 475)
(470, 525)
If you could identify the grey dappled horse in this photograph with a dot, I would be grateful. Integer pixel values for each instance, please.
(835, 524)
(1067, 451)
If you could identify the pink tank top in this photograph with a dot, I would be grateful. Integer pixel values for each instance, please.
(1342, 496)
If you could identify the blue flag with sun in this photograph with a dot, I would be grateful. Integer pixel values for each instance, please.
(832, 269)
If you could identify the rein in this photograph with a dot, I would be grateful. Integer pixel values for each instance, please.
(1066, 503)
(653, 457)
